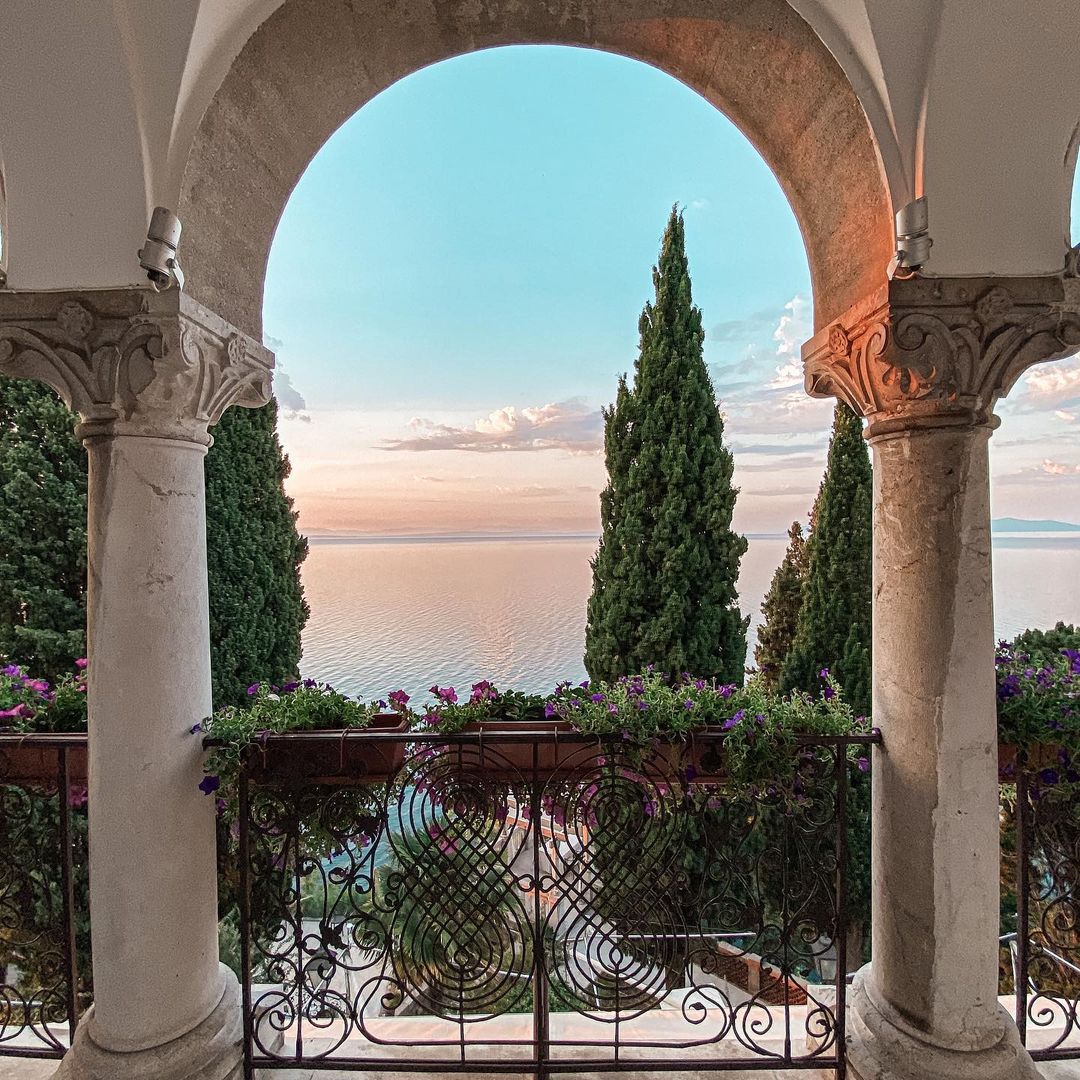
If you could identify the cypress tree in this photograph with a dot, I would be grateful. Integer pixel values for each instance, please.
(42, 530)
(257, 608)
(781, 608)
(834, 624)
(665, 573)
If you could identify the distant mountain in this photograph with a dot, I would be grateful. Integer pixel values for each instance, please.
(1023, 525)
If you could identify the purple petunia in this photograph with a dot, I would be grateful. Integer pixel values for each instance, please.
(398, 698)
(863, 764)
(253, 689)
(209, 784)
(733, 720)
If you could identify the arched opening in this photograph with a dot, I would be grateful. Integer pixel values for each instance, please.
(1036, 491)
(453, 290)
(306, 70)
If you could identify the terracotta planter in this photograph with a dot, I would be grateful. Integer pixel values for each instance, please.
(329, 757)
(505, 751)
(1039, 756)
(512, 758)
(704, 753)
(34, 760)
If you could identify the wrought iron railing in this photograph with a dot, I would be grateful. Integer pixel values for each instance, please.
(44, 921)
(525, 902)
(1044, 952)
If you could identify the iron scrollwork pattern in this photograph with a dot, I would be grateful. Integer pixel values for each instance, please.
(44, 931)
(500, 903)
(1048, 910)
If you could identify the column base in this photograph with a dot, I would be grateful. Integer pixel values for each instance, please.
(211, 1051)
(881, 1046)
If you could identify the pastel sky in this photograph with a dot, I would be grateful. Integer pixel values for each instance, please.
(456, 283)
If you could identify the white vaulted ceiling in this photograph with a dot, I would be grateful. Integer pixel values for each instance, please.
(974, 104)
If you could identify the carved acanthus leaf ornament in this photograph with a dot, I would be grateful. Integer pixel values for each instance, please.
(134, 362)
(941, 351)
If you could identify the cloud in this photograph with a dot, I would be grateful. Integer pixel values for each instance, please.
(545, 491)
(290, 400)
(566, 425)
(781, 462)
(780, 449)
(795, 326)
(699, 204)
(741, 330)
(1056, 468)
(787, 491)
(1052, 385)
(1047, 471)
(288, 397)
(431, 479)
(1068, 417)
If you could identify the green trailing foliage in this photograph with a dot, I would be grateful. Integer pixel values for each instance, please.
(833, 629)
(665, 572)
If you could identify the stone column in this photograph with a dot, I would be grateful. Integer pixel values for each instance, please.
(925, 360)
(148, 374)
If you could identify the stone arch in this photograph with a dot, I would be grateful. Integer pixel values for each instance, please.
(313, 63)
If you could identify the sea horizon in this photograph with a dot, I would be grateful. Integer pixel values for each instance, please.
(407, 611)
(1062, 530)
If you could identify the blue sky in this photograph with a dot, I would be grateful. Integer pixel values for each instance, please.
(456, 283)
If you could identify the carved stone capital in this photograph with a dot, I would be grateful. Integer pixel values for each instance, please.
(132, 361)
(933, 352)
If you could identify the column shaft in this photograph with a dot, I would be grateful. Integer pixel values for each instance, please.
(935, 852)
(153, 881)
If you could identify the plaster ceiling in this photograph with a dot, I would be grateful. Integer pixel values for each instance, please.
(975, 105)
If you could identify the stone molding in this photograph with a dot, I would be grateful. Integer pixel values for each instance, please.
(938, 352)
(133, 361)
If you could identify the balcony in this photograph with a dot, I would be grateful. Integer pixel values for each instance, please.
(521, 903)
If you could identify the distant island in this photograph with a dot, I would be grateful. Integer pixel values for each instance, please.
(1023, 525)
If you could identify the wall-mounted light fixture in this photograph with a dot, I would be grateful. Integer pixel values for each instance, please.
(913, 241)
(158, 255)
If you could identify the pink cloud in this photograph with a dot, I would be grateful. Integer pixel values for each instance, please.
(566, 425)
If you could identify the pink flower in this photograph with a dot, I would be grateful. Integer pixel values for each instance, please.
(482, 691)
(445, 693)
(81, 662)
(398, 698)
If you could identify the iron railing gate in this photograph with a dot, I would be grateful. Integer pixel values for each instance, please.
(524, 902)
(1046, 946)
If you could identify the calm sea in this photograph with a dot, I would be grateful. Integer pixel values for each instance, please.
(391, 613)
